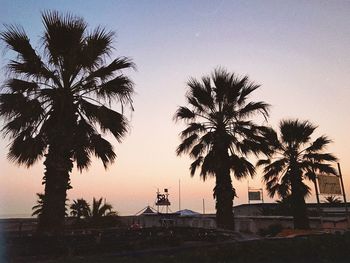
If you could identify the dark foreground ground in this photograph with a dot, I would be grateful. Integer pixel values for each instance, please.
(183, 246)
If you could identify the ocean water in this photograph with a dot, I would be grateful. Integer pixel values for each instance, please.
(5, 216)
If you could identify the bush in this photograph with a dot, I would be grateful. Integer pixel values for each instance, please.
(271, 230)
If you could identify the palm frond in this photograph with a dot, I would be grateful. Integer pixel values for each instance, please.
(200, 93)
(186, 144)
(102, 149)
(319, 144)
(241, 167)
(295, 131)
(64, 35)
(27, 150)
(194, 166)
(105, 72)
(192, 128)
(98, 44)
(184, 113)
(263, 162)
(245, 91)
(21, 86)
(120, 88)
(208, 167)
(320, 157)
(253, 108)
(107, 119)
(28, 61)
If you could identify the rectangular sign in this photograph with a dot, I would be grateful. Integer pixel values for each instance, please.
(254, 195)
(329, 185)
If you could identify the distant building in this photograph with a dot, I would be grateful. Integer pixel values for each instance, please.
(254, 217)
(149, 217)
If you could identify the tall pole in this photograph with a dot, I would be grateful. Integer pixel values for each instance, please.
(318, 201)
(248, 193)
(344, 195)
(203, 207)
(157, 200)
(179, 196)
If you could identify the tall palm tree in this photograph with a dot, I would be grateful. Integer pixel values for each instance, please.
(295, 157)
(57, 102)
(220, 134)
(79, 208)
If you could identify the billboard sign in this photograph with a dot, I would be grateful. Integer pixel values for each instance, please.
(254, 195)
(329, 185)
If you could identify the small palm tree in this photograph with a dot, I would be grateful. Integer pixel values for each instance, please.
(295, 157)
(332, 200)
(38, 208)
(100, 209)
(79, 208)
(99, 212)
(57, 101)
(220, 133)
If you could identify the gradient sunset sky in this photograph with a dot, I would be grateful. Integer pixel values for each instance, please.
(297, 50)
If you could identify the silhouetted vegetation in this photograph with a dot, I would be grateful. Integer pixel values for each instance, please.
(164, 245)
(332, 199)
(295, 157)
(79, 208)
(220, 133)
(271, 230)
(98, 215)
(38, 208)
(56, 102)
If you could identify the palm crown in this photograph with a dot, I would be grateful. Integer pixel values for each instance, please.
(219, 117)
(57, 103)
(68, 83)
(100, 209)
(220, 134)
(295, 157)
(79, 208)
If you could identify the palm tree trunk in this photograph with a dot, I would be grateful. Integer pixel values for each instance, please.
(224, 202)
(299, 210)
(223, 190)
(58, 165)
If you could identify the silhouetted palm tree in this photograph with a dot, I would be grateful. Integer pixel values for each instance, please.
(79, 208)
(38, 208)
(332, 200)
(99, 211)
(220, 134)
(58, 101)
(295, 158)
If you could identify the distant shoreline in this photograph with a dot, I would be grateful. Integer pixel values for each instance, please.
(13, 216)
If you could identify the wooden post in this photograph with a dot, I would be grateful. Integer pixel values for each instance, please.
(179, 196)
(318, 201)
(203, 207)
(344, 195)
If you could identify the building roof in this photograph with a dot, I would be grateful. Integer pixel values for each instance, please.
(187, 212)
(309, 205)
